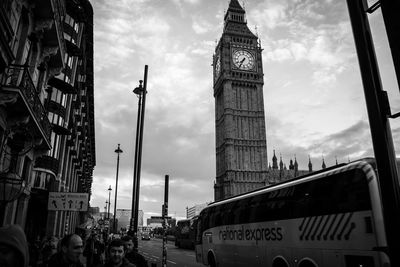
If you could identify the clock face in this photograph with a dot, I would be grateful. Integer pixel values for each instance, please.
(243, 59)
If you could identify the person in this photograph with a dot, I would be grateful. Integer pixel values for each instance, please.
(93, 251)
(14, 251)
(49, 248)
(116, 255)
(71, 249)
(132, 254)
(35, 256)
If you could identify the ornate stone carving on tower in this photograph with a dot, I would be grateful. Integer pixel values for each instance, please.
(241, 146)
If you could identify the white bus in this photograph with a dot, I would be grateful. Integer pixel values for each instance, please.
(330, 218)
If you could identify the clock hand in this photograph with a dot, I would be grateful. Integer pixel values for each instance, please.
(241, 62)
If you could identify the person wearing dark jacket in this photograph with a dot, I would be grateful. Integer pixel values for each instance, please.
(93, 251)
(131, 253)
(14, 250)
(116, 253)
(71, 251)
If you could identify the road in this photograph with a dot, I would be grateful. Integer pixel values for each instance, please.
(176, 257)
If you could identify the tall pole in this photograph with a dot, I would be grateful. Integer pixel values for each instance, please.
(118, 151)
(139, 163)
(109, 199)
(164, 217)
(105, 211)
(141, 92)
(378, 112)
(131, 225)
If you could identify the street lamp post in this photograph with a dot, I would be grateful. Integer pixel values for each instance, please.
(105, 210)
(109, 196)
(141, 92)
(118, 151)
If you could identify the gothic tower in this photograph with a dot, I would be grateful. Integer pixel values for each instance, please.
(241, 146)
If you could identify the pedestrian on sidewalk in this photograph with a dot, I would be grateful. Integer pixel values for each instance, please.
(116, 255)
(94, 251)
(132, 254)
(71, 249)
(14, 250)
(49, 248)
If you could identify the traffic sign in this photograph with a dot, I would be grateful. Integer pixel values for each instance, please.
(68, 201)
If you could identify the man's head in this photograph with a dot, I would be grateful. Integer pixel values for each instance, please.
(13, 247)
(95, 236)
(72, 247)
(116, 251)
(128, 243)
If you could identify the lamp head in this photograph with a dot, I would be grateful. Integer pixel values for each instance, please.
(139, 90)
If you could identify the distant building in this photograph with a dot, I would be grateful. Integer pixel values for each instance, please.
(195, 210)
(157, 220)
(140, 218)
(94, 210)
(123, 217)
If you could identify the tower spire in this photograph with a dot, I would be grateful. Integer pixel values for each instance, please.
(235, 13)
(274, 161)
(235, 5)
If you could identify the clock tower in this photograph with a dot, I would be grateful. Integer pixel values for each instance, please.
(241, 146)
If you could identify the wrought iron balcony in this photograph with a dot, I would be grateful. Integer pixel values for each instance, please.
(17, 79)
(48, 163)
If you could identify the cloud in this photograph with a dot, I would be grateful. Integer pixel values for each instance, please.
(351, 143)
(271, 14)
(201, 26)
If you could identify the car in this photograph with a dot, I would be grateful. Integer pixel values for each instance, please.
(145, 236)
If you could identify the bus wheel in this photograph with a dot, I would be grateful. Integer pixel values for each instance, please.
(279, 262)
(211, 260)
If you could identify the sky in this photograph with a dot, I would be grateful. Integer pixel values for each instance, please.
(313, 95)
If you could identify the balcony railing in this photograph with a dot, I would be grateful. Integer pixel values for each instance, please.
(18, 77)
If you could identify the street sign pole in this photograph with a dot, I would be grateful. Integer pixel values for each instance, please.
(164, 217)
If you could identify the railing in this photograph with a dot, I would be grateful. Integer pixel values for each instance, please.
(18, 77)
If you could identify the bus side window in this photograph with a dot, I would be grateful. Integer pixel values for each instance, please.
(218, 215)
(301, 201)
(255, 208)
(198, 231)
(228, 217)
(244, 215)
(236, 213)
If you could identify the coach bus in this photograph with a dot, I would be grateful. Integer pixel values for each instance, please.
(330, 218)
(185, 233)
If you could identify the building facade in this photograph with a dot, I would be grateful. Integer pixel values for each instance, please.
(46, 111)
(123, 217)
(195, 210)
(241, 146)
(157, 221)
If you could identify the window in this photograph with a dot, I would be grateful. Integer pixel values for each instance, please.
(55, 143)
(25, 169)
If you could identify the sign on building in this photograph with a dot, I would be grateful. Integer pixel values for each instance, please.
(68, 201)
